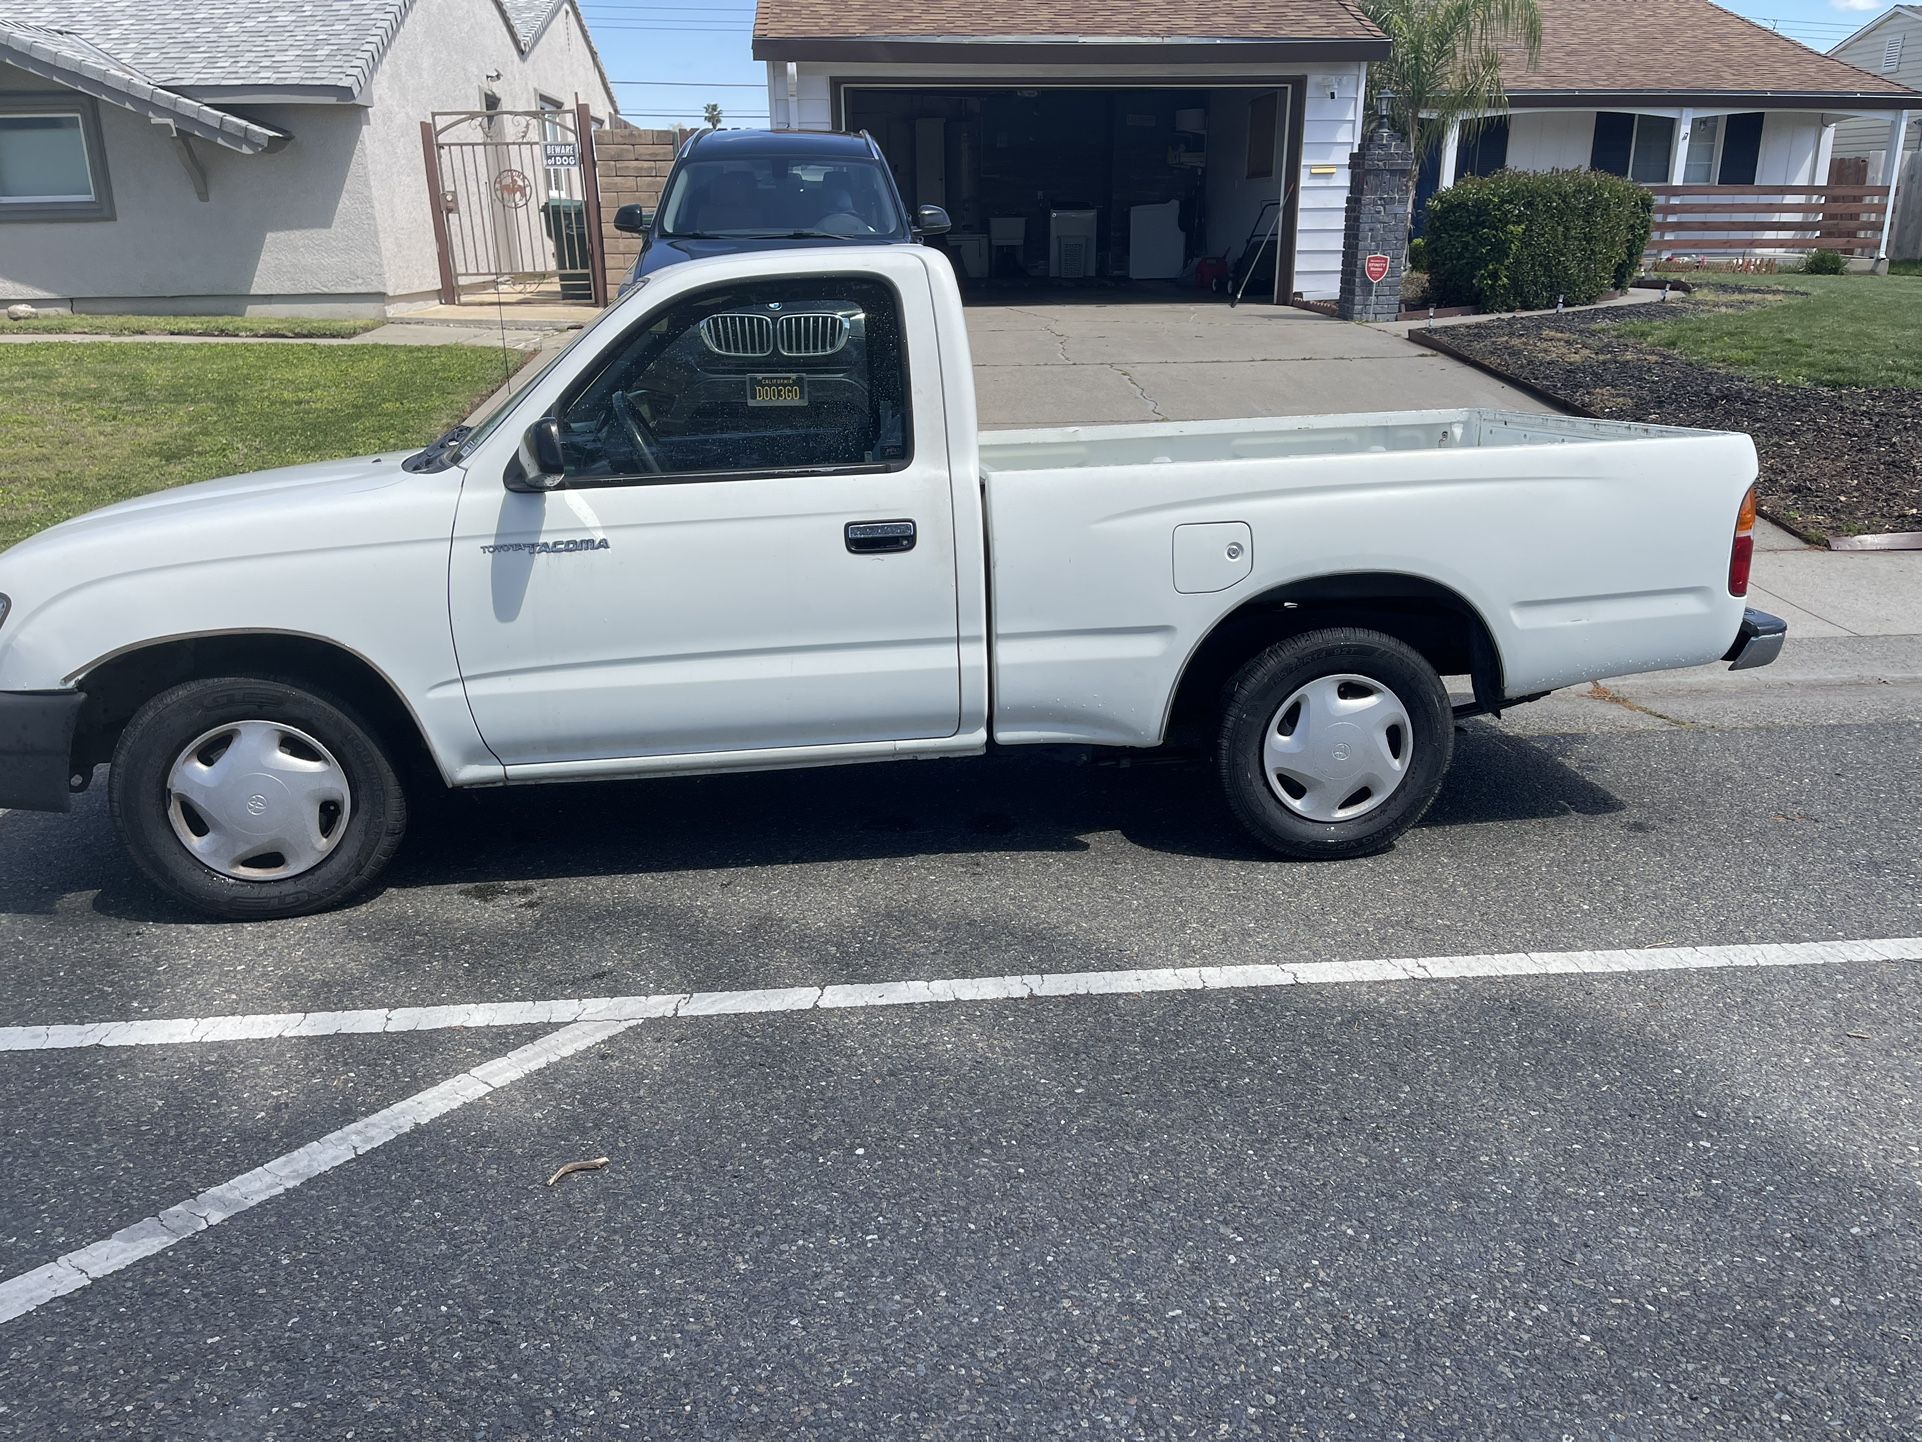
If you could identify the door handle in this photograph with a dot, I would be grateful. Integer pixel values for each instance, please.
(867, 538)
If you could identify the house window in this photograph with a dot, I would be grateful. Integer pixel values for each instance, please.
(51, 162)
(1264, 119)
(1638, 146)
(1892, 55)
(1654, 144)
(1704, 141)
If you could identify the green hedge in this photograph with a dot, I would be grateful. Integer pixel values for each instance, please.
(1516, 240)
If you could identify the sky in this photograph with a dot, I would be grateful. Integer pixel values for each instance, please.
(669, 58)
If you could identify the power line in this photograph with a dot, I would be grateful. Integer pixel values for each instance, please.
(696, 84)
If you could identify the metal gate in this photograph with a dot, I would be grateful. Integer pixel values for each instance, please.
(517, 212)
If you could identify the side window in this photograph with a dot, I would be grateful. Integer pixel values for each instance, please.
(792, 375)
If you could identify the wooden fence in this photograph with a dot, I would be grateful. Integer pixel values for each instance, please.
(1728, 220)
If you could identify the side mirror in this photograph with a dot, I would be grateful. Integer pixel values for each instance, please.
(538, 464)
(632, 219)
(931, 220)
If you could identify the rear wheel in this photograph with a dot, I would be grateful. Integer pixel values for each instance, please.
(1334, 743)
(250, 798)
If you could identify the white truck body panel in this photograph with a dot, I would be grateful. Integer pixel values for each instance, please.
(1589, 548)
(725, 625)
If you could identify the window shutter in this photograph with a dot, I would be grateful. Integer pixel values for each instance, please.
(1614, 137)
(1741, 148)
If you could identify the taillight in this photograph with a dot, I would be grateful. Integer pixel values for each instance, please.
(1742, 551)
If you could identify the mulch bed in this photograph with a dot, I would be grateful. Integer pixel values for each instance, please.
(1834, 461)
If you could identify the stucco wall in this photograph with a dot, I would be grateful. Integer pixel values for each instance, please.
(337, 220)
(294, 223)
(1329, 124)
(440, 61)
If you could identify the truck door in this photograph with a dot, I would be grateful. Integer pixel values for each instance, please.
(753, 546)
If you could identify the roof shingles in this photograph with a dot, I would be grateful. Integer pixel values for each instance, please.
(1063, 20)
(1679, 46)
(256, 44)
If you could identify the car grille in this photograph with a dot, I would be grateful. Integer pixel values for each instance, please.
(738, 333)
(813, 334)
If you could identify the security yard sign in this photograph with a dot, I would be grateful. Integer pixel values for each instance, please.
(1375, 267)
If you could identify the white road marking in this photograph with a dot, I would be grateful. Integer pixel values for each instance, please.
(595, 1019)
(628, 1009)
(20, 1295)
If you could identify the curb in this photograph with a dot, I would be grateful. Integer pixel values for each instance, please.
(1527, 387)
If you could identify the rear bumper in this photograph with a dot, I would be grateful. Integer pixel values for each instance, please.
(1758, 642)
(36, 748)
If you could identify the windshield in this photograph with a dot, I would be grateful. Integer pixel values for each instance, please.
(777, 196)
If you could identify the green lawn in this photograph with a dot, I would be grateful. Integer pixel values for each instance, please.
(1841, 330)
(237, 325)
(82, 426)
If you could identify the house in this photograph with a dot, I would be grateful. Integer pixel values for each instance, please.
(1168, 129)
(261, 156)
(1730, 123)
(1889, 45)
(1089, 137)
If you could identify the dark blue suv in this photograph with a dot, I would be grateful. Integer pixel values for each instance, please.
(739, 190)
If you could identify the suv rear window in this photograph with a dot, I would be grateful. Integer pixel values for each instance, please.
(773, 196)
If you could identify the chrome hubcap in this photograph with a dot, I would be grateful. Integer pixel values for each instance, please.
(258, 801)
(1337, 748)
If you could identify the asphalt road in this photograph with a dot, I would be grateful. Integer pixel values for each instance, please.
(1677, 1203)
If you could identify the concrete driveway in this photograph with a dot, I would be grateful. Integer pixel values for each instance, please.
(1089, 363)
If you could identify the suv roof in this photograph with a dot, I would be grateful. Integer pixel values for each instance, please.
(819, 144)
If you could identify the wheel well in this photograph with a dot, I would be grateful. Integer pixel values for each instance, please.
(1438, 623)
(122, 684)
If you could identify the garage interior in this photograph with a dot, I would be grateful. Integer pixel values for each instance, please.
(1097, 187)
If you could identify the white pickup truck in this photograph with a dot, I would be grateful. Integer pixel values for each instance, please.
(746, 521)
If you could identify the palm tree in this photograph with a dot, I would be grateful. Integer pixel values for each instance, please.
(1446, 65)
(711, 113)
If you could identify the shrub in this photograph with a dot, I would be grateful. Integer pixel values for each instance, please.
(1516, 240)
(1825, 262)
(1418, 254)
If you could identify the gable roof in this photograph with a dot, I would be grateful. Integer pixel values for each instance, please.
(225, 45)
(1894, 12)
(80, 65)
(1679, 48)
(778, 22)
(226, 48)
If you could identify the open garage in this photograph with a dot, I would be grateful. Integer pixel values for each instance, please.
(1070, 154)
(1074, 182)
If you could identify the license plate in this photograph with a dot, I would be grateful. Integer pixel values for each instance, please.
(777, 390)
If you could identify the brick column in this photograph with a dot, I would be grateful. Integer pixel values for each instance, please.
(1377, 224)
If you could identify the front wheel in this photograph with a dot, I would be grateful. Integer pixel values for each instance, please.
(1334, 743)
(248, 798)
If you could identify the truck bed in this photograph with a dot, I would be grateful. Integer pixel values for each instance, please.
(1585, 548)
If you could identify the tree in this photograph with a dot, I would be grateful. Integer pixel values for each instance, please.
(711, 113)
(1446, 65)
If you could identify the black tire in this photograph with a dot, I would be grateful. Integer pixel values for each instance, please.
(171, 721)
(1251, 703)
